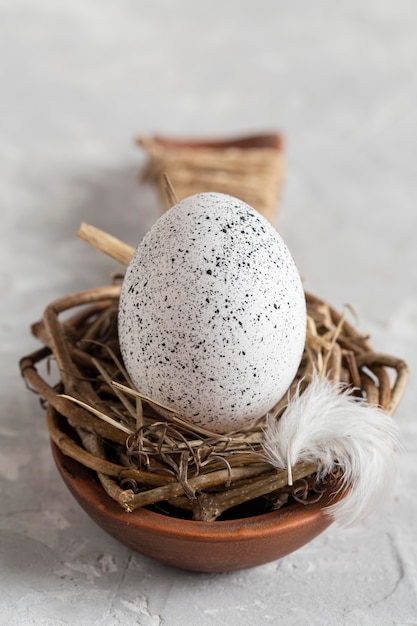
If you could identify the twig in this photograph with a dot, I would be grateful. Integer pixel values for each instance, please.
(108, 244)
(169, 190)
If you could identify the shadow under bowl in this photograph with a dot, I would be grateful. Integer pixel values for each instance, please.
(218, 546)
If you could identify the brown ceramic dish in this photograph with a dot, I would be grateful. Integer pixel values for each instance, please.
(199, 546)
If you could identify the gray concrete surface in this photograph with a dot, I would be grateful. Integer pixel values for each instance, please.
(78, 80)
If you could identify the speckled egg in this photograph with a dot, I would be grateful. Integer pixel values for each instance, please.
(212, 315)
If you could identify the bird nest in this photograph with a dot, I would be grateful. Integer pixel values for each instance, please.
(95, 416)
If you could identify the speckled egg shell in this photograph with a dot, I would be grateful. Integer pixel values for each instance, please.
(212, 315)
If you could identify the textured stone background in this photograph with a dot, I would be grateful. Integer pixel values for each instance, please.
(78, 81)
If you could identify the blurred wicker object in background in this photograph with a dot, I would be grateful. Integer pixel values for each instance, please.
(250, 168)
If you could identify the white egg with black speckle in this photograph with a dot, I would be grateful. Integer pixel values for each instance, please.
(212, 315)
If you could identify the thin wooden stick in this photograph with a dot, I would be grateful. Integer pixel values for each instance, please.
(100, 414)
(99, 239)
(169, 190)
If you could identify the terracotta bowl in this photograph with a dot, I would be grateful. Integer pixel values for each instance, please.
(199, 546)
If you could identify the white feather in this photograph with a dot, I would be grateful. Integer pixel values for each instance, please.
(327, 424)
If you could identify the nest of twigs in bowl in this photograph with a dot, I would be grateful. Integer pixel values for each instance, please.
(148, 465)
